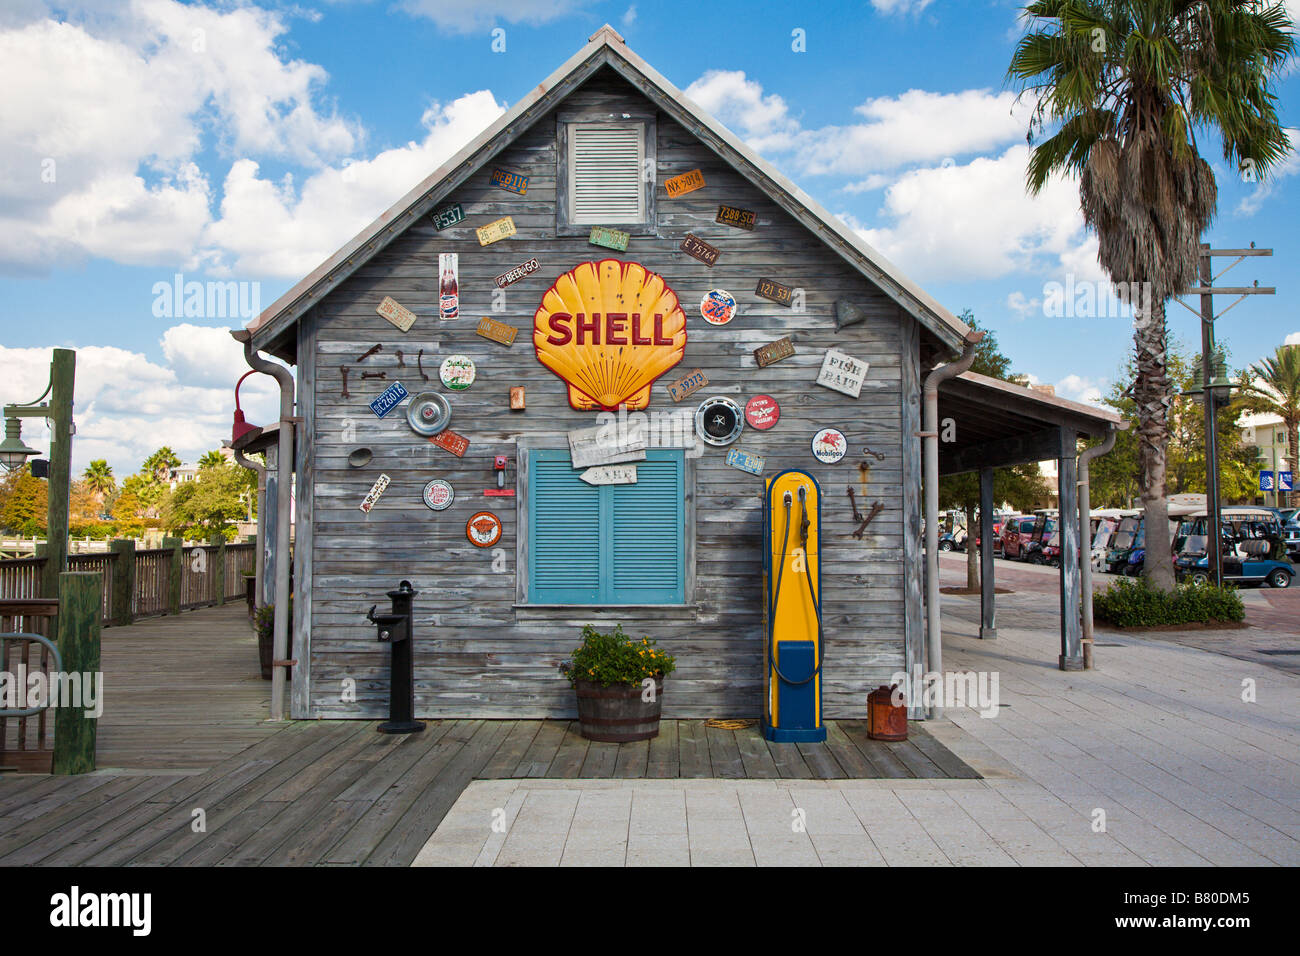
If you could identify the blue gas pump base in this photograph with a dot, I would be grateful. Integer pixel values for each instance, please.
(811, 735)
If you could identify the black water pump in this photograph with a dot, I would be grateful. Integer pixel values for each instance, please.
(395, 630)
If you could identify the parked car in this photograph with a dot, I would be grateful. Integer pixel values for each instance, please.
(1016, 535)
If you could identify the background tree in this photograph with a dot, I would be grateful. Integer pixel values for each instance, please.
(128, 515)
(1020, 485)
(26, 506)
(160, 464)
(1272, 387)
(1126, 84)
(208, 505)
(212, 459)
(99, 478)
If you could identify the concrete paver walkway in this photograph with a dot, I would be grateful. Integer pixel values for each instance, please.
(1158, 757)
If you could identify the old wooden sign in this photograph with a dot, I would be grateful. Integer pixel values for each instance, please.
(448, 440)
(502, 228)
(739, 218)
(511, 182)
(609, 238)
(700, 249)
(773, 352)
(685, 386)
(685, 183)
(389, 399)
(521, 271)
(745, 461)
(395, 312)
(605, 445)
(774, 291)
(842, 372)
(447, 217)
(610, 475)
(496, 331)
(376, 490)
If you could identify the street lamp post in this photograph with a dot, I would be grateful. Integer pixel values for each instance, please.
(13, 453)
(1213, 388)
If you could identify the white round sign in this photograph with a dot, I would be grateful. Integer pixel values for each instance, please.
(829, 445)
(439, 495)
(457, 372)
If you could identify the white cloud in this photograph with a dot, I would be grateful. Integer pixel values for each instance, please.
(1023, 306)
(270, 228)
(1292, 339)
(629, 16)
(889, 7)
(762, 120)
(870, 184)
(976, 221)
(458, 16)
(1260, 192)
(1080, 388)
(127, 406)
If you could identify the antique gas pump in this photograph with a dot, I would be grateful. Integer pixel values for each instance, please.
(792, 632)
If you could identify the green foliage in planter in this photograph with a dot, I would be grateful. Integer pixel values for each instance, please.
(615, 658)
(1131, 602)
(264, 619)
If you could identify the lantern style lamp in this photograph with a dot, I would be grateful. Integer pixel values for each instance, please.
(13, 453)
(240, 428)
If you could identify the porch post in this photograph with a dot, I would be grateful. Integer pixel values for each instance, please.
(988, 625)
(1067, 490)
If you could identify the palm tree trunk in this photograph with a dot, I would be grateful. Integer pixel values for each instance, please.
(1152, 395)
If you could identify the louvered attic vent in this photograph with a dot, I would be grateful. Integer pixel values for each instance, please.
(605, 174)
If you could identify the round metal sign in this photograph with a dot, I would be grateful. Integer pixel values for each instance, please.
(829, 445)
(483, 529)
(719, 421)
(439, 494)
(762, 412)
(457, 372)
(428, 413)
(718, 307)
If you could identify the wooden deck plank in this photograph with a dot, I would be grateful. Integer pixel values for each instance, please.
(693, 749)
(789, 762)
(821, 761)
(410, 749)
(848, 756)
(663, 760)
(916, 762)
(947, 761)
(724, 754)
(633, 757)
(876, 752)
(754, 754)
(108, 823)
(537, 759)
(573, 751)
(55, 791)
(519, 738)
(602, 758)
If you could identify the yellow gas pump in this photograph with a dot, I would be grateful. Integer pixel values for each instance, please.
(793, 647)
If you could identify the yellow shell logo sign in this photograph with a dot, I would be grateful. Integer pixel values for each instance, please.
(609, 329)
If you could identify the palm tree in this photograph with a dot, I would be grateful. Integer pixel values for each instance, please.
(1126, 84)
(99, 477)
(212, 459)
(1272, 386)
(160, 464)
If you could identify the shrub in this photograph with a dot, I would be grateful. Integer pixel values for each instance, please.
(1131, 602)
(615, 658)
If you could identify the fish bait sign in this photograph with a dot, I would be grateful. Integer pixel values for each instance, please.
(391, 397)
(609, 238)
(686, 386)
(842, 373)
(699, 249)
(737, 218)
(773, 352)
(521, 271)
(448, 217)
(496, 331)
(510, 182)
(395, 312)
(610, 475)
(502, 228)
(745, 461)
(775, 292)
(685, 183)
(604, 445)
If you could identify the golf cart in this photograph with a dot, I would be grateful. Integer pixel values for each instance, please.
(1248, 540)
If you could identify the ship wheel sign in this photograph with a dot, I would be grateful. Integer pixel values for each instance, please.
(483, 529)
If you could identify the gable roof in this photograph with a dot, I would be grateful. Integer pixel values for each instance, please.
(604, 48)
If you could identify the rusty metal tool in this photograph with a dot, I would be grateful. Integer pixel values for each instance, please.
(344, 370)
(370, 351)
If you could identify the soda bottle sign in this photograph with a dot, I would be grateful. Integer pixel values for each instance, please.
(448, 286)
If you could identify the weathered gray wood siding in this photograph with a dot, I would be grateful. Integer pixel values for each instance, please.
(477, 654)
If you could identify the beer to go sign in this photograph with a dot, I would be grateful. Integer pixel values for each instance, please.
(609, 329)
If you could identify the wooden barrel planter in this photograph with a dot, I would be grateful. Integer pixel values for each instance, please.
(617, 713)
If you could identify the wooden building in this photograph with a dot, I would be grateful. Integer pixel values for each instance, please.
(677, 554)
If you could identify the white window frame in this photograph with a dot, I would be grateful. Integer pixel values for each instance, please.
(645, 224)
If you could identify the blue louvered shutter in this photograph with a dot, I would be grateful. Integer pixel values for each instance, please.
(611, 544)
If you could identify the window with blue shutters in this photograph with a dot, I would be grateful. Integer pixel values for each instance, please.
(606, 544)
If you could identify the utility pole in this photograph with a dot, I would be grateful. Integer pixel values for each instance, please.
(1207, 292)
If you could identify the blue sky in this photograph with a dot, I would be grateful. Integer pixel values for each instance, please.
(245, 142)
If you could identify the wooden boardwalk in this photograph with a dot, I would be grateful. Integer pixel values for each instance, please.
(184, 740)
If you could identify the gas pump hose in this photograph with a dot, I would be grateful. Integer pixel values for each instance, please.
(776, 597)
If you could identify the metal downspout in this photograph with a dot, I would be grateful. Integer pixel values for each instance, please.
(930, 432)
(1085, 538)
(260, 568)
(283, 487)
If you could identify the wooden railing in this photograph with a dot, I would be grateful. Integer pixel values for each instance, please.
(202, 573)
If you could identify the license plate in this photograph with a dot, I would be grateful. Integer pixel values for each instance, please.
(511, 182)
(773, 352)
(395, 312)
(685, 386)
(502, 228)
(745, 461)
(739, 218)
(496, 331)
(609, 238)
(521, 271)
(685, 183)
(775, 292)
(700, 249)
(448, 217)
(450, 441)
(389, 399)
